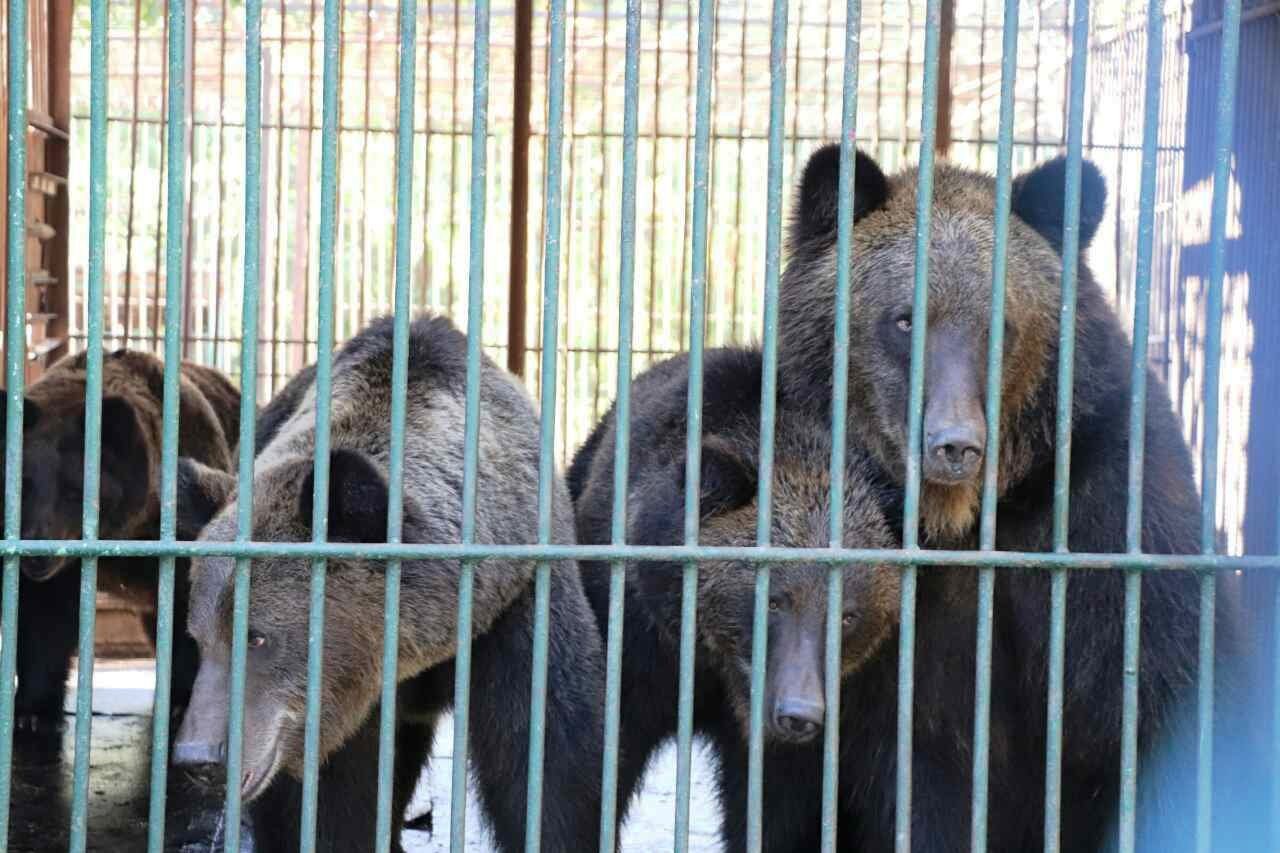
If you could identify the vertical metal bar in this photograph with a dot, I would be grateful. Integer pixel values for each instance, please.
(547, 422)
(1228, 68)
(915, 412)
(768, 400)
(92, 417)
(622, 422)
(518, 262)
(471, 437)
(839, 421)
(14, 351)
(324, 370)
(174, 268)
(693, 415)
(1062, 428)
(248, 408)
(991, 459)
(1137, 422)
(399, 389)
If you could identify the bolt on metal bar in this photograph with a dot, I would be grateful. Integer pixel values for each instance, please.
(92, 419)
(833, 666)
(547, 422)
(1228, 68)
(915, 416)
(1062, 427)
(323, 385)
(471, 429)
(991, 458)
(693, 419)
(622, 437)
(1137, 422)
(399, 390)
(14, 336)
(175, 174)
(768, 412)
(248, 411)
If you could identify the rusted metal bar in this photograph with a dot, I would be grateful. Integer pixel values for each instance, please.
(518, 263)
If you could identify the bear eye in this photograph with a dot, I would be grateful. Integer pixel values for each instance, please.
(847, 621)
(773, 605)
(257, 640)
(903, 322)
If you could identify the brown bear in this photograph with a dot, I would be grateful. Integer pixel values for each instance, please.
(503, 612)
(795, 691)
(954, 442)
(53, 470)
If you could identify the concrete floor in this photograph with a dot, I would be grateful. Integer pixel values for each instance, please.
(120, 767)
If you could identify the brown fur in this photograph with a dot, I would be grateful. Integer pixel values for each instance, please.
(882, 270)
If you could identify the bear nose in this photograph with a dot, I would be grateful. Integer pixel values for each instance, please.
(798, 719)
(196, 752)
(954, 452)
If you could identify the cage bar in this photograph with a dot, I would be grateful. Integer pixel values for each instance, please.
(547, 422)
(248, 411)
(92, 425)
(1137, 422)
(991, 458)
(622, 436)
(833, 668)
(915, 417)
(768, 411)
(399, 389)
(471, 436)
(1223, 132)
(14, 337)
(693, 418)
(174, 269)
(323, 386)
(1062, 427)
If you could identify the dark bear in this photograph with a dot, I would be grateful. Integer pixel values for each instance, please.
(53, 471)
(503, 612)
(955, 441)
(795, 697)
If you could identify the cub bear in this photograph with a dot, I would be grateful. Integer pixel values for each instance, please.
(795, 675)
(503, 611)
(53, 472)
(955, 441)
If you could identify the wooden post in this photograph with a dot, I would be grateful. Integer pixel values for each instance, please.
(946, 36)
(518, 267)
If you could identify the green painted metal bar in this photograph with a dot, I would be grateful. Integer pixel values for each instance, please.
(991, 458)
(14, 335)
(92, 419)
(915, 416)
(323, 384)
(248, 411)
(622, 444)
(833, 665)
(1062, 427)
(768, 406)
(1224, 121)
(399, 389)
(548, 378)
(471, 437)
(693, 415)
(648, 553)
(175, 215)
(1137, 423)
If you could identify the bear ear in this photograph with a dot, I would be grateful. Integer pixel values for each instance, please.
(202, 491)
(817, 203)
(1039, 197)
(358, 499)
(126, 464)
(728, 478)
